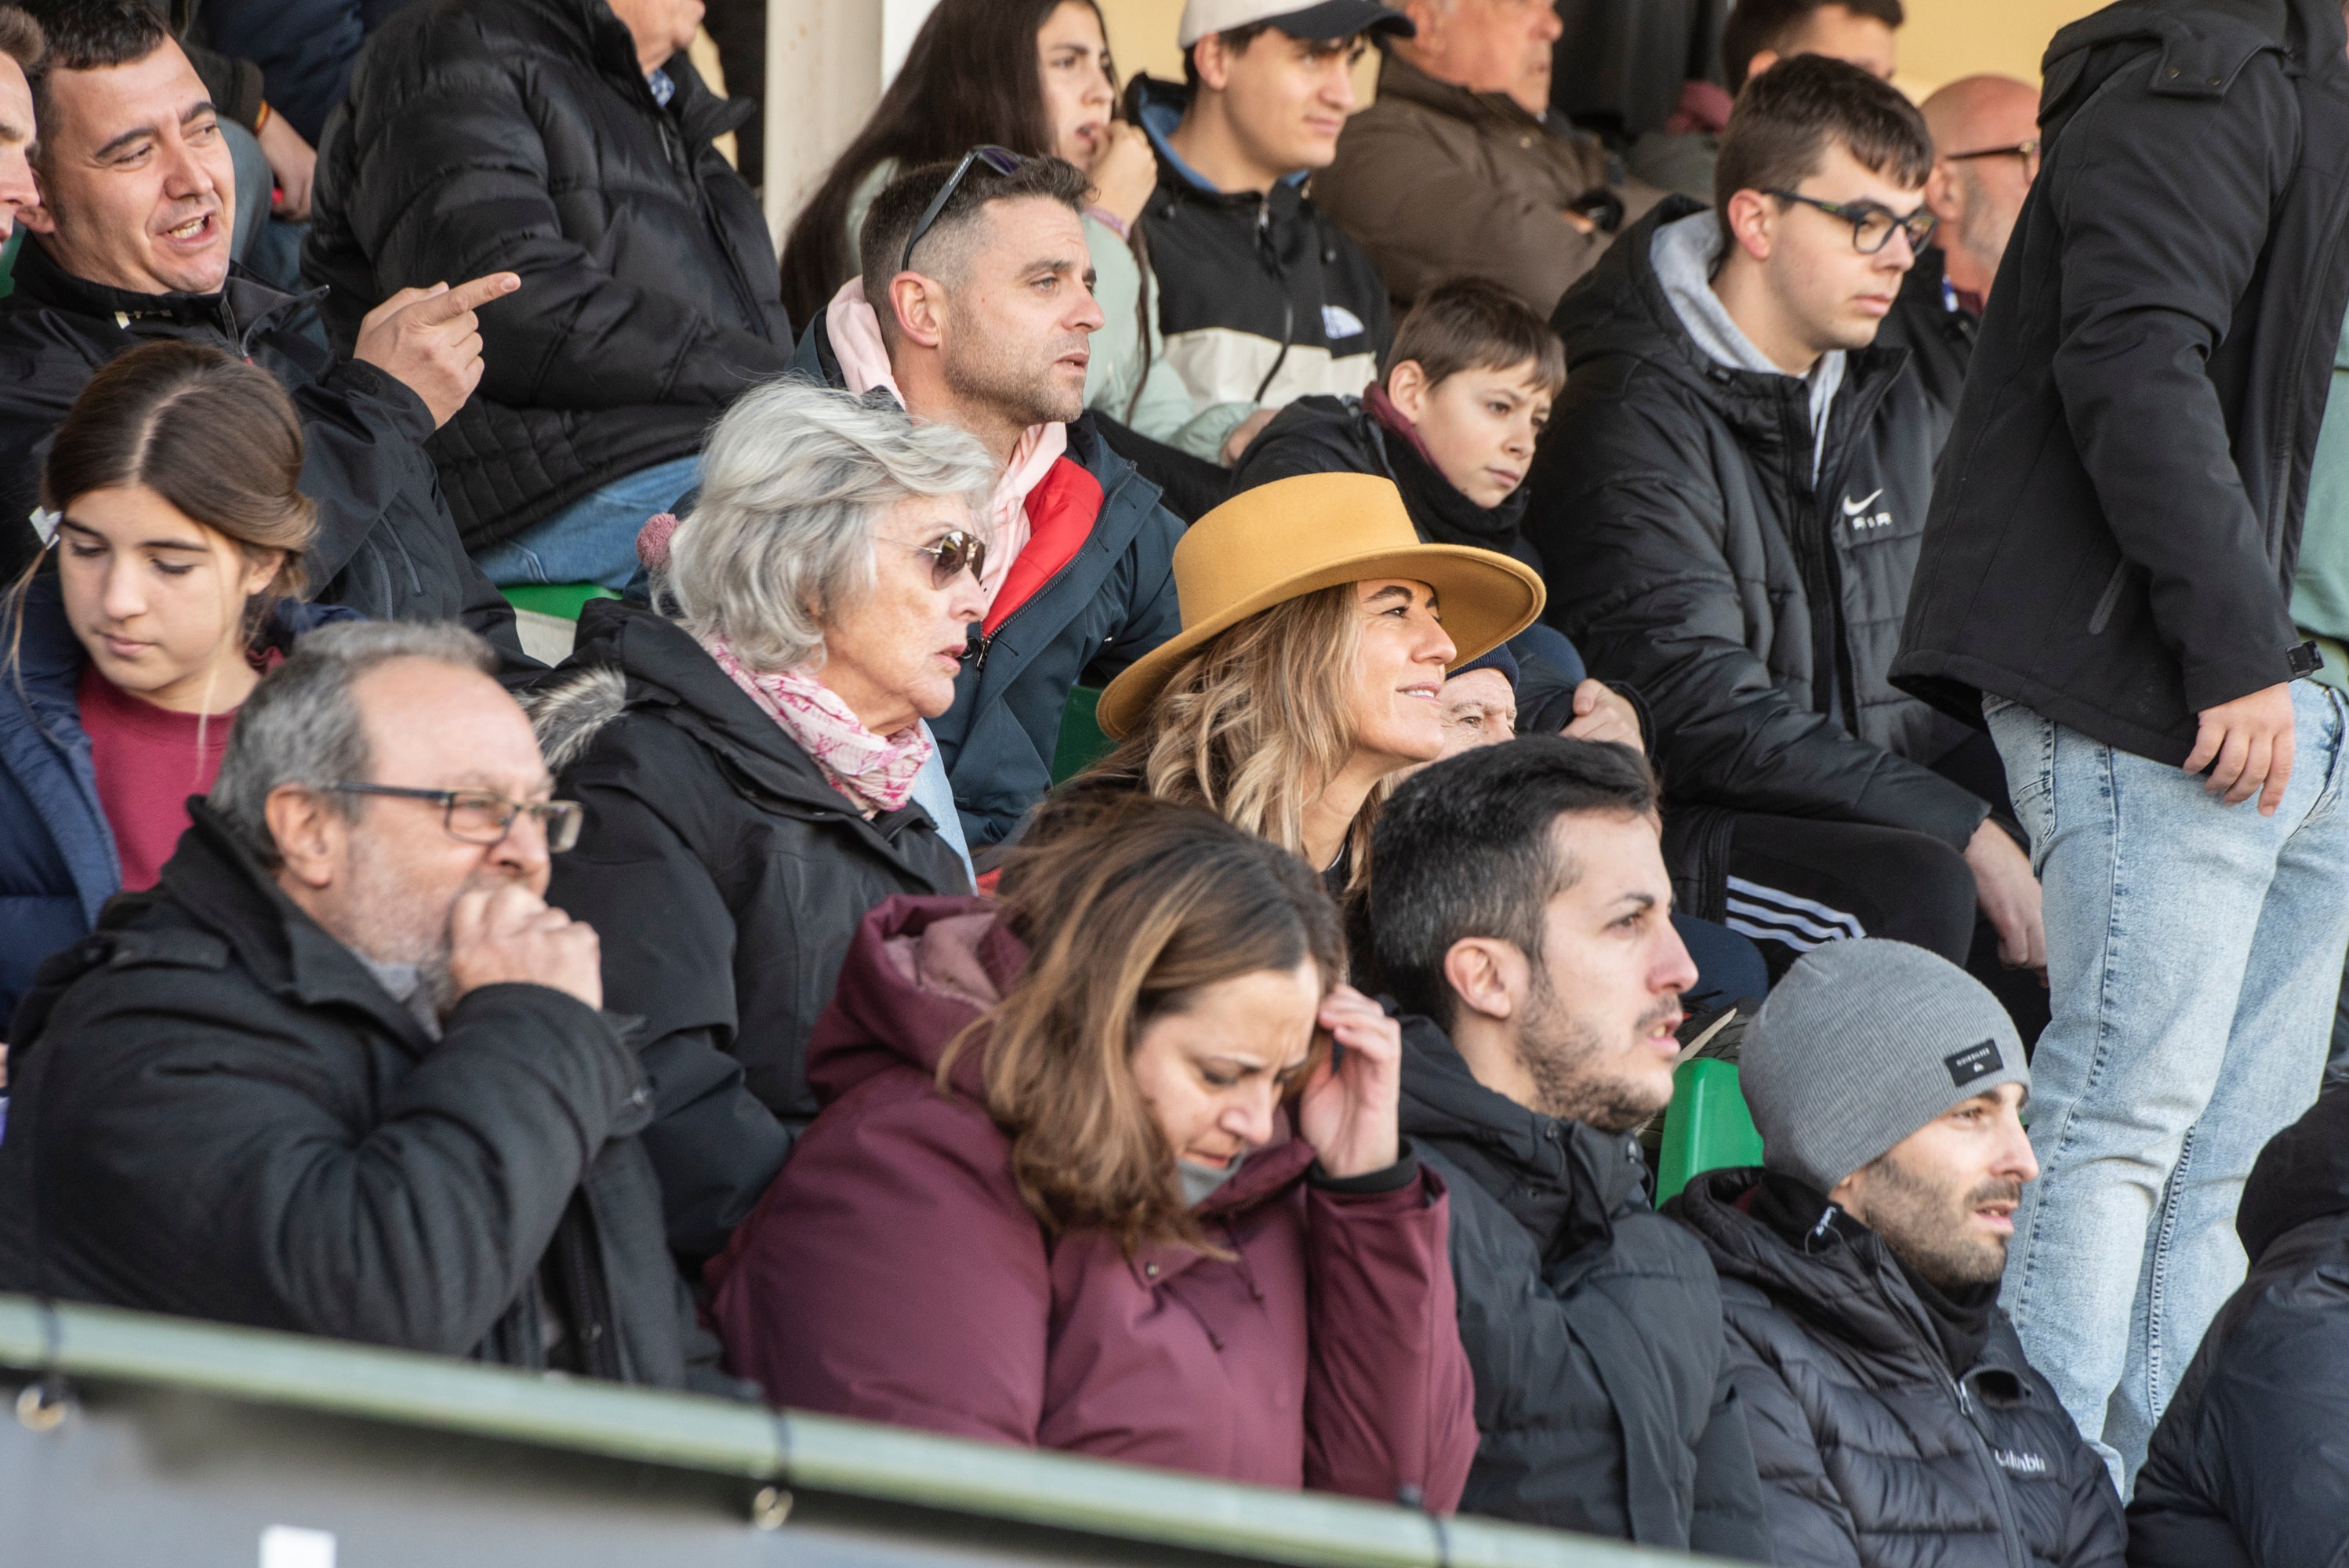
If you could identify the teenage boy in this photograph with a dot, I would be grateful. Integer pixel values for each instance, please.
(1261, 298)
(975, 310)
(1728, 505)
(2107, 582)
(1518, 912)
(1895, 1418)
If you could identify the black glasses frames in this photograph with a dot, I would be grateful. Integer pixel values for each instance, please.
(1001, 160)
(2026, 151)
(482, 816)
(1872, 226)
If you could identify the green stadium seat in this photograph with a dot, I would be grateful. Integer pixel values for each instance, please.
(1081, 742)
(561, 600)
(8, 249)
(1707, 1127)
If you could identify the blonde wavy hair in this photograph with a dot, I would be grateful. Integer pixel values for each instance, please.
(1256, 722)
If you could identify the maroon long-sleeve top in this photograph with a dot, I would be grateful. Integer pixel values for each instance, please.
(892, 1273)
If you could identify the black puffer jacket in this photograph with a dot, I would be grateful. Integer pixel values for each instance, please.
(217, 1112)
(1874, 1452)
(386, 545)
(2250, 1467)
(726, 878)
(2117, 515)
(1938, 332)
(521, 135)
(1755, 611)
(1592, 1325)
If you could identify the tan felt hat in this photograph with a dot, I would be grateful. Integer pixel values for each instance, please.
(1285, 540)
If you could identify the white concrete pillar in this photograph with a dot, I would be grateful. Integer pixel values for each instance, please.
(827, 61)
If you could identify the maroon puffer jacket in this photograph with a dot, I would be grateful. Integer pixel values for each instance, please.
(892, 1273)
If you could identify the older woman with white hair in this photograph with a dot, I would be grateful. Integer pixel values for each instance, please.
(747, 761)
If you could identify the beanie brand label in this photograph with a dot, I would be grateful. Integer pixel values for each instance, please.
(1973, 1062)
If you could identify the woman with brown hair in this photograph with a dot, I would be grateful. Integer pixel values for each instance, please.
(173, 535)
(1091, 1175)
(1308, 674)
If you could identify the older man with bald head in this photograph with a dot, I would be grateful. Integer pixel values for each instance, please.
(1985, 155)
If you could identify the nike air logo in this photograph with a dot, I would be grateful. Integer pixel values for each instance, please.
(1854, 508)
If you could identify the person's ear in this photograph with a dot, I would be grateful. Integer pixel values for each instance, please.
(1488, 976)
(311, 835)
(261, 569)
(1407, 389)
(1428, 17)
(1213, 59)
(38, 218)
(1941, 197)
(1753, 220)
(919, 305)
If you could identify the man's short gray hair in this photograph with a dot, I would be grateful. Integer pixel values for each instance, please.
(301, 724)
(794, 483)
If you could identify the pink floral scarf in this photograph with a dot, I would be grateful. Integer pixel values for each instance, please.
(875, 772)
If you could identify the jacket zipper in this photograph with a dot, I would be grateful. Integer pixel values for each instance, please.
(987, 640)
(1270, 257)
(2007, 1528)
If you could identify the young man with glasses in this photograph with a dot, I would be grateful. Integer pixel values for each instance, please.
(2107, 583)
(1728, 505)
(1263, 300)
(344, 1071)
(975, 310)
(1985, 156)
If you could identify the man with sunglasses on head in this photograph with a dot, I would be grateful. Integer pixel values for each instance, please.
(343, 1071)
(1985, 155)
(975, 309)
(1729, 502)
(1262, 299)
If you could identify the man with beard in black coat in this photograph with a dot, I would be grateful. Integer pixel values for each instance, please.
(2251, 1462)
(130, 242)
(343, 1071)
(1895, 1418)
(1518, 907)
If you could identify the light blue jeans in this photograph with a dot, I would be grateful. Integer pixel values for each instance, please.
(2194, 953)
(593, 540)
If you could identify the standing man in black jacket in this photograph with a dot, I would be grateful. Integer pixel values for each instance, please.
(1728, 504)
(569, 140)
(2107, 582)
(343, 1071)
(1518, 906)
(1262, 299)
(130, 242)
(1896, 1420)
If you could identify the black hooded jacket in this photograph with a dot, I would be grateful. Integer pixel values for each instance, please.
(386, 545)
(725, 877)
(1592, 1325)
(521, 135)
(2116, 517)
(216, 1110)
(1875, 1451)
(2250, 1467)
(1755, 611)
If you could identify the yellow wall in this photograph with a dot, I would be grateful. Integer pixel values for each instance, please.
(1944, 39)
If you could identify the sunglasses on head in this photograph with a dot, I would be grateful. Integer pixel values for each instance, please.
(954, 554)
(1001, 160)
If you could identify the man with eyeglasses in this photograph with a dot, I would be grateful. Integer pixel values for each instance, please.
(343, 1071)
(1727, 507)
(1262, 298)
(2107, 582)
(1985, 156)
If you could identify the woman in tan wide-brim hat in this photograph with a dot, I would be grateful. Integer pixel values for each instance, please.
(1317, 630)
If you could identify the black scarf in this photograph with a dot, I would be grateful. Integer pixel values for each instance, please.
(1438, 509)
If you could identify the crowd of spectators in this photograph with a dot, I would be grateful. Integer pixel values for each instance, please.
(1845, 588)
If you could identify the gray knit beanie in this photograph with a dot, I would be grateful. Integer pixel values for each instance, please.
(1859, 1045)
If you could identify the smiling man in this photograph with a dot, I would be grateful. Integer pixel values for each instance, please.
(1895, 1418)
(1729, 503)
(129, 241)
(1520, 910)
(975, 309)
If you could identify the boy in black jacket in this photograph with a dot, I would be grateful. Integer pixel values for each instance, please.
(1519, 906)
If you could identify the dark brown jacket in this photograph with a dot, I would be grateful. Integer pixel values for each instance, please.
(1437, 181)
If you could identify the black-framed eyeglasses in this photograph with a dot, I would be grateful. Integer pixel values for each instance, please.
(1872, 226)
(2026, 151)
(484, 816)
(1001, 160)
(954, 554)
